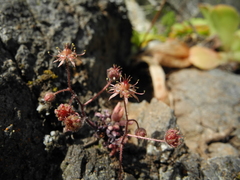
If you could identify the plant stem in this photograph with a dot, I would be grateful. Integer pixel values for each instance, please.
(103, 89)
(67, 89)
(134, 121)
(68, 76)
(72, 92)
(120, 162)
(123, 137)
(91, 123)
(146, 138)
(154, 20)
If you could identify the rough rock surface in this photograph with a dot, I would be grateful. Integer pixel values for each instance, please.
(32, 143)
(150, 160)
(207, 105)
(141, 160)
(29, 29)
(185, 163)
(87, 164)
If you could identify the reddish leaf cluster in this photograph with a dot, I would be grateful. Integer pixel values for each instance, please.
(111, 128)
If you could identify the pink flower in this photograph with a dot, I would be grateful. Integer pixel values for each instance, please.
(124, 89)
(63, 111)
(67, 54)
(72, 123)
(173, 137)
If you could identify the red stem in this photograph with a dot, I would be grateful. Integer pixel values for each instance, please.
(123, 137)
(74, 96)
(94, 97)
(91, 123)
(67, 89)
(146, 138)
(134, 121)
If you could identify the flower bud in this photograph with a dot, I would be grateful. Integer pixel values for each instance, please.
(63, 111)
(49, 97)
(117, 113)
(141, 132)
(114, 73)
(173, 138)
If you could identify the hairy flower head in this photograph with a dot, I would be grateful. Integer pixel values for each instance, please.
(173, 137)
(63, 111)
(124, 89)
(67, 54)
(72, 123)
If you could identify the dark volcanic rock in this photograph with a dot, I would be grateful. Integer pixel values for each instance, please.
(29, 29)
(88, 164)
(32, 143)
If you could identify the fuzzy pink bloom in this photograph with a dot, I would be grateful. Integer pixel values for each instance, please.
(173, 137)
(67, 54)
(49, 97)
(63, 111)
(114, 73)
(72, 123)
(124, 89)
(117, 113)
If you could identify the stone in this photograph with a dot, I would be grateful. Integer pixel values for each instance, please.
(32, 143)
(29, 29)
(226, 167)
(206, 104)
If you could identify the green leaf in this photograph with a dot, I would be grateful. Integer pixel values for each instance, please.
(225, 19)
(236, 56)
(206, 11)
(142, 39)
(185, 28)
(235, 46)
